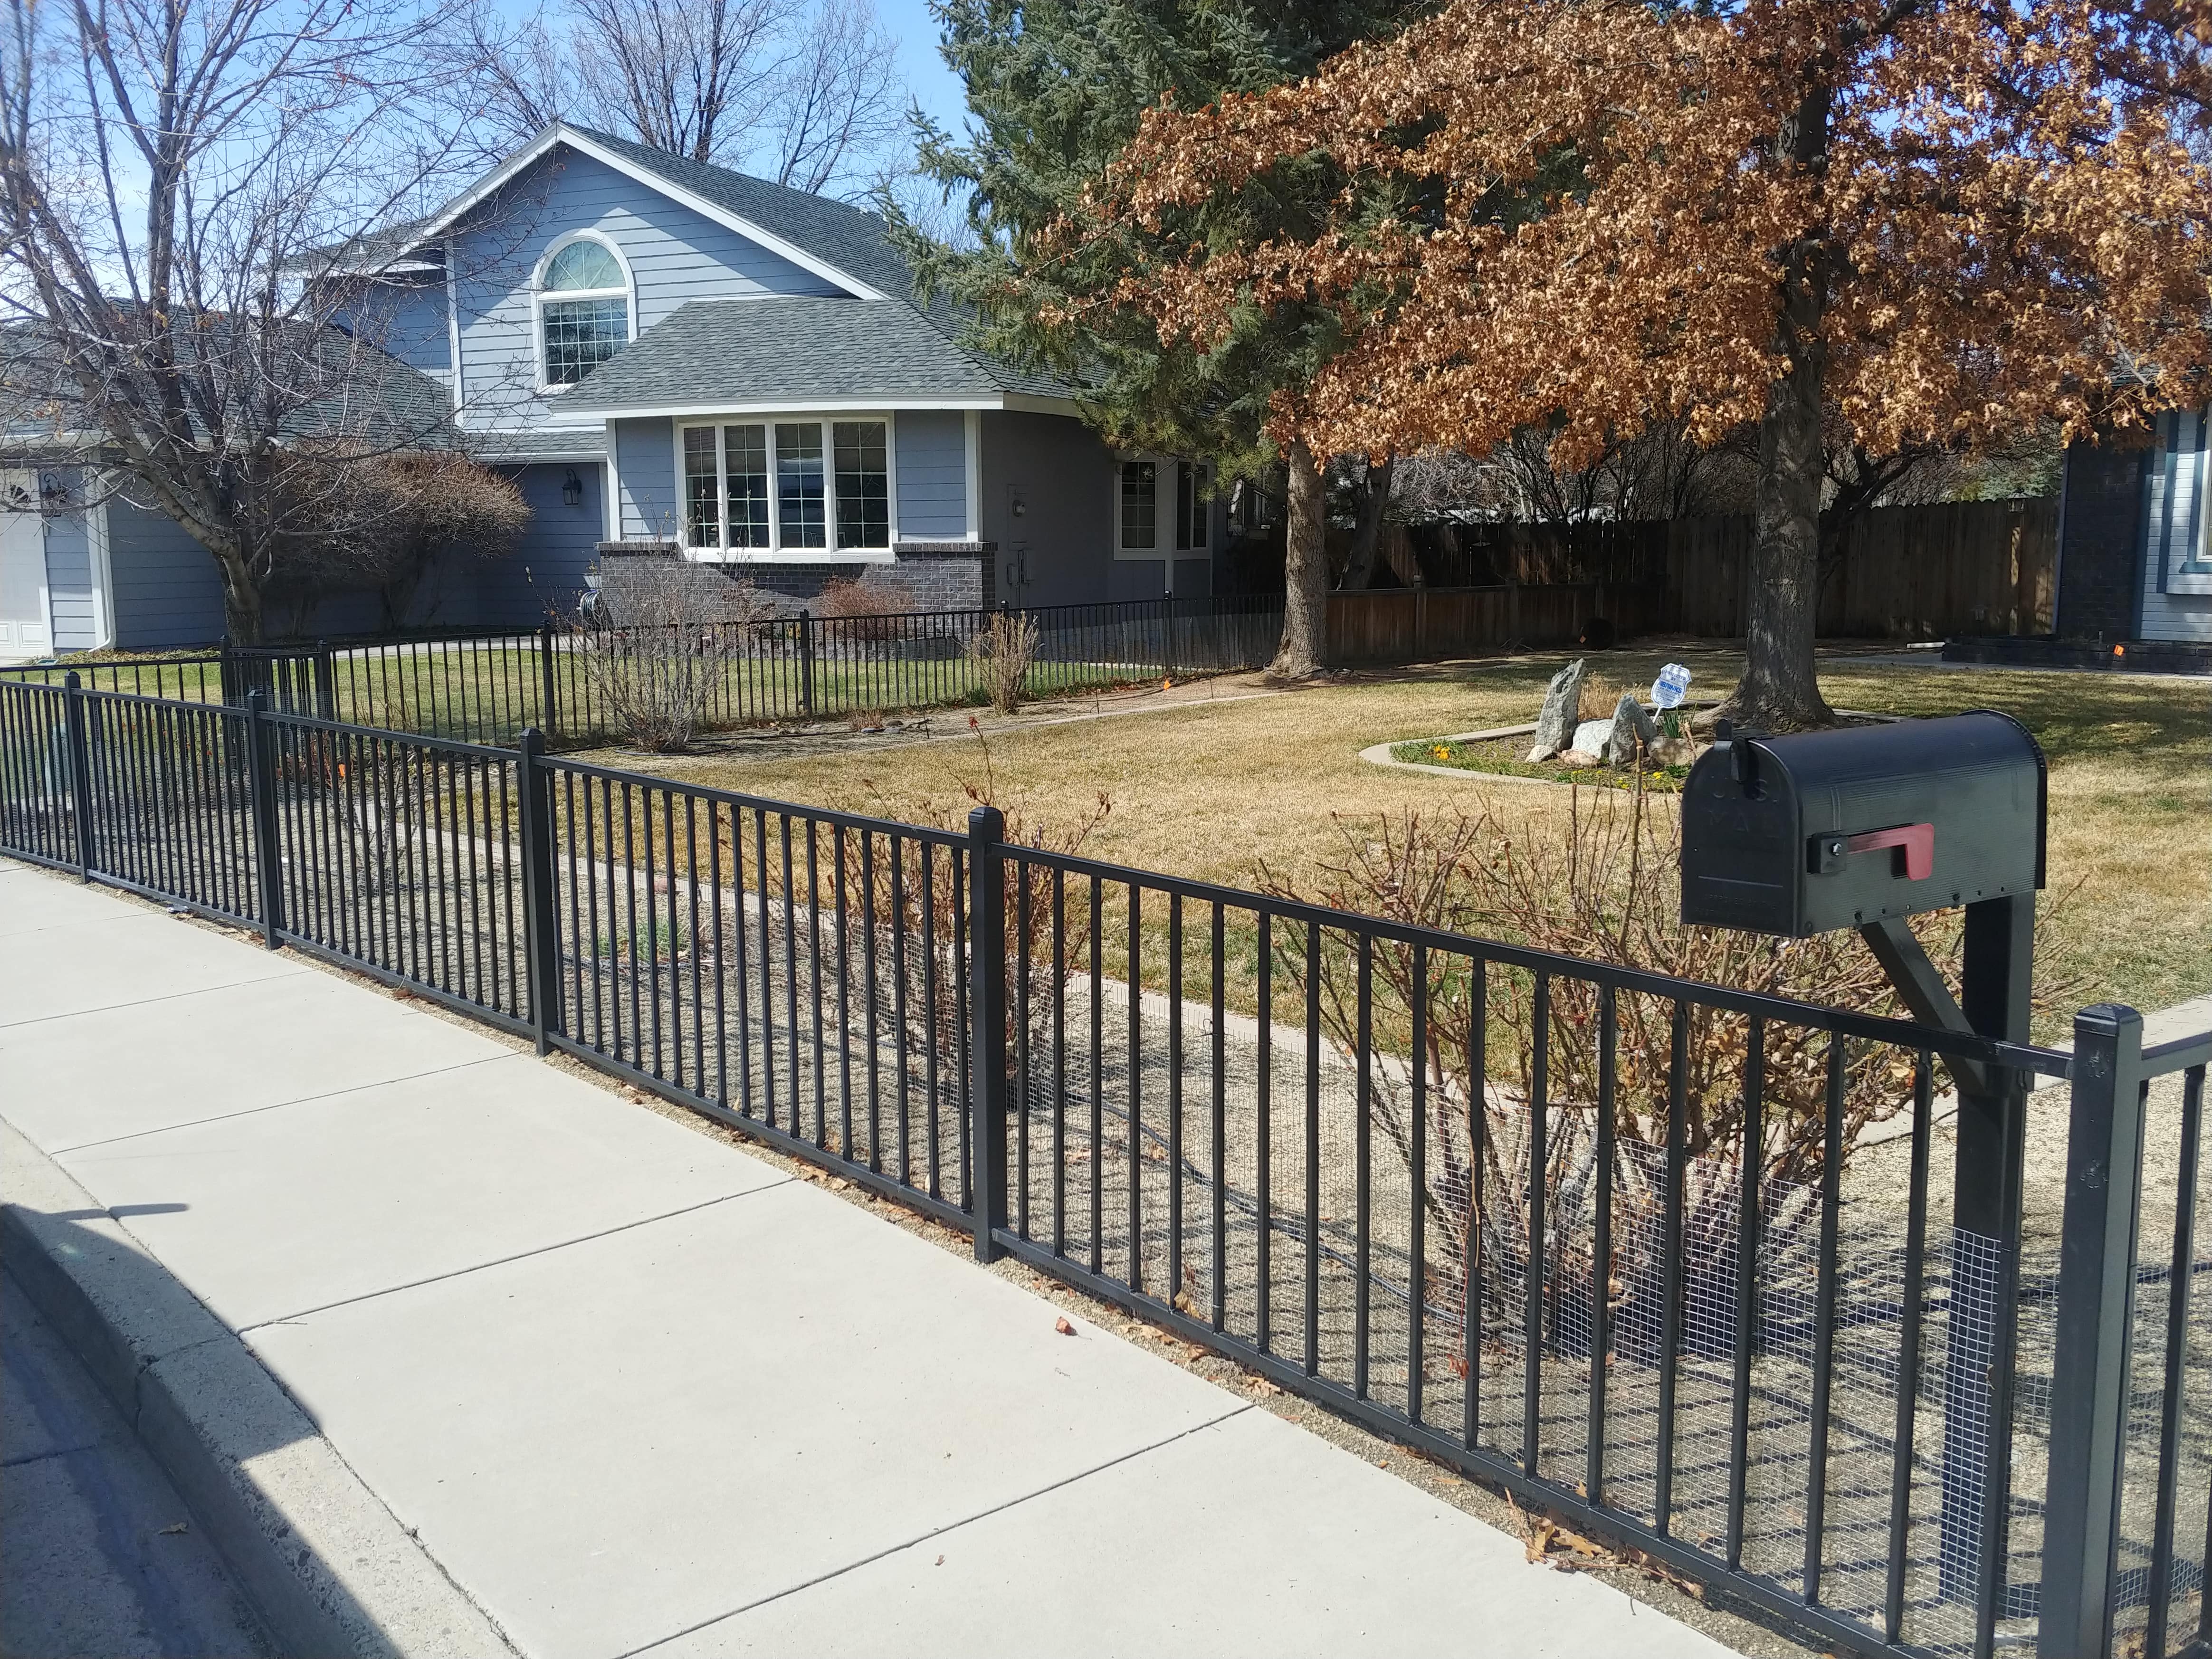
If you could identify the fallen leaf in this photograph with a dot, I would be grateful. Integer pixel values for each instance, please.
(941, 1561)
(1194, 1351)
(1063, 1327)
(1263, 1388)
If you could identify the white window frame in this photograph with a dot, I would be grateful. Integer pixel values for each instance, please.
(776, 552)
(540, 296)
(1166, 479)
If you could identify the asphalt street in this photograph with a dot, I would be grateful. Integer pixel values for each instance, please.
(98, 1556)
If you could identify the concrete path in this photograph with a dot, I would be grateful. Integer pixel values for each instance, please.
(97, 1551)
(633, 1390)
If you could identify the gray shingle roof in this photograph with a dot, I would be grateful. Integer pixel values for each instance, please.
(543, 443)
(792, 349)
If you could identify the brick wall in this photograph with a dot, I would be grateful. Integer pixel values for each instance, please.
(2100, 542)
(949, 575)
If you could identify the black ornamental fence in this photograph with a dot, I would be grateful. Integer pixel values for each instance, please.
(574, 682)
(1678, 1264)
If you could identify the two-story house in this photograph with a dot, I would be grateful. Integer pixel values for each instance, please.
(665, 352)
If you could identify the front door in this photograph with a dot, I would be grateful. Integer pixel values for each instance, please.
(24, 630)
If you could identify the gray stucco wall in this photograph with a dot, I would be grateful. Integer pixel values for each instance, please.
(645, 461)
(932, 447)
(1061, 477)
(167, 591)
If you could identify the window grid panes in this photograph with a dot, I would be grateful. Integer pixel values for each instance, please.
(800, 508)
(583, 266)
(581, 335)
(863, 480)
(1140, 506)
(758, 486)
(745, 450)
(703, 526)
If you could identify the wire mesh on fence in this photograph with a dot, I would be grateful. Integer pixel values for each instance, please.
(1525, 1211)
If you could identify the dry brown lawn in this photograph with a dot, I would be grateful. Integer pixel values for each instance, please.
(1225, 781)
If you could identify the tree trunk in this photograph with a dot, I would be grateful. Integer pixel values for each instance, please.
(241, 600)
(1367, 534)
(1780, 691)
(1305, 571)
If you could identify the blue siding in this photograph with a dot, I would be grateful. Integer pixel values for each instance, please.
(933, 474)
(2177, 588)
(166, 588)
(675, 254)
(546, 573)
(69, 609)
(409, 320)
(645, 460)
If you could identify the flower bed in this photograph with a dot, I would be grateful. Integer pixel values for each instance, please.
(1506, 756)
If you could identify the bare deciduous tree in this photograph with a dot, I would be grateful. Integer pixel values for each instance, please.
(182, 185)
(807, 93)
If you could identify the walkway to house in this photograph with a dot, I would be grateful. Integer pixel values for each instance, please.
(632, 1389)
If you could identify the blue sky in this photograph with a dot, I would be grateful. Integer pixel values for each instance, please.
(935, 86)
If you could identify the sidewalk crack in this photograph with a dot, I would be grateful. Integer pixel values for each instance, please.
(939, 1532)
(295, 1317)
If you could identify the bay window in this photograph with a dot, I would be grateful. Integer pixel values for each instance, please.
(780, 486)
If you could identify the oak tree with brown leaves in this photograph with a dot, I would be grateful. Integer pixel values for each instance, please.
(1948, 221)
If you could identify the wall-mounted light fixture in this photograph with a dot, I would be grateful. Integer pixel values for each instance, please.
(571, 489)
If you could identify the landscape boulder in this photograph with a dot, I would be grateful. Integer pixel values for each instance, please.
(1590, 738)
(1555, 725)
(1630, 727)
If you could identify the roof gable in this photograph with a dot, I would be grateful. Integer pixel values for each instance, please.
(843, 244)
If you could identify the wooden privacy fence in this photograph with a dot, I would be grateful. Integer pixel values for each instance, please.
(1418, 624)
(1975, 567)
(1906, 573)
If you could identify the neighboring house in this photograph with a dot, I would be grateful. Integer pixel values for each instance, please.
(85, 566)
(2135, 538)
(667, 354)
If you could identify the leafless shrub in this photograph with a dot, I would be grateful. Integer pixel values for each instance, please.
(866, 606)
(1603, 887)
(1002, 653)
(673, 632)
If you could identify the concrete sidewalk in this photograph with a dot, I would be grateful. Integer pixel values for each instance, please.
(630, 1389)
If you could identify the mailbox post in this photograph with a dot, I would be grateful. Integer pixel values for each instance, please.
(1862, 827)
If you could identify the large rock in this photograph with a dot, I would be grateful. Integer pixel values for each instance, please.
(1631, 726)
(1555, 725)
(1590, 738)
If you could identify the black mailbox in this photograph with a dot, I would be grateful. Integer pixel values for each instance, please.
(1805, 834)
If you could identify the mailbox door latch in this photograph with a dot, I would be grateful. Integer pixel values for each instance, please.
(1913, 847)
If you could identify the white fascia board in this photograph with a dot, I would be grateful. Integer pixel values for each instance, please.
(797, 407)
(558, 133)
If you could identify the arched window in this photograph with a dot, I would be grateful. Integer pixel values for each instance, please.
(583, 308)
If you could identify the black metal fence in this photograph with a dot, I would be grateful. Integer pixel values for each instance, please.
(575, 683)
(1681, 1264)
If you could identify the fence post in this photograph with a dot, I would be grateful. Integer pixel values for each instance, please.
(541, 942)
(261, 781)
(806, 663)
(79, 763)
(327, 682)
(1168, 652)
(2089, 1375)
(987, 947)
(547, 714)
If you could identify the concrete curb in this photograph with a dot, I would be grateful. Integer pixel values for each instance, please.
(330, 1568)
